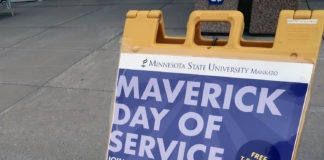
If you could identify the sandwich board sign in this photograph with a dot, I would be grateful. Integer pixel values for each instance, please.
(185, 99)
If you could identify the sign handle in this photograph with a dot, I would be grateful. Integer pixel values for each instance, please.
(234, 18)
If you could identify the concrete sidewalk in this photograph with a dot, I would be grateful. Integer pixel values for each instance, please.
(58, 61)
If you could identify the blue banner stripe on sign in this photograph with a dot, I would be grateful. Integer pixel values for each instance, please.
(183, 116)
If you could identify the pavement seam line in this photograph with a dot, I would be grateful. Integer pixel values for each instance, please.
(50, 86)
(36, 90)
(78, 17)
(10, 107)
(85, 56)
(44, 85)
(24, 39)
(110, 40)
(52, 26)
(81, 89)
(18, 84)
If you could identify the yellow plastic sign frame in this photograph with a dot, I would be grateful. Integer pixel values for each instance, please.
(298, 39)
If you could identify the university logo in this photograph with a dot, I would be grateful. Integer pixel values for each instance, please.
(144, 63)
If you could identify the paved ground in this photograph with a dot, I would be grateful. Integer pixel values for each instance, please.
(58, 61)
